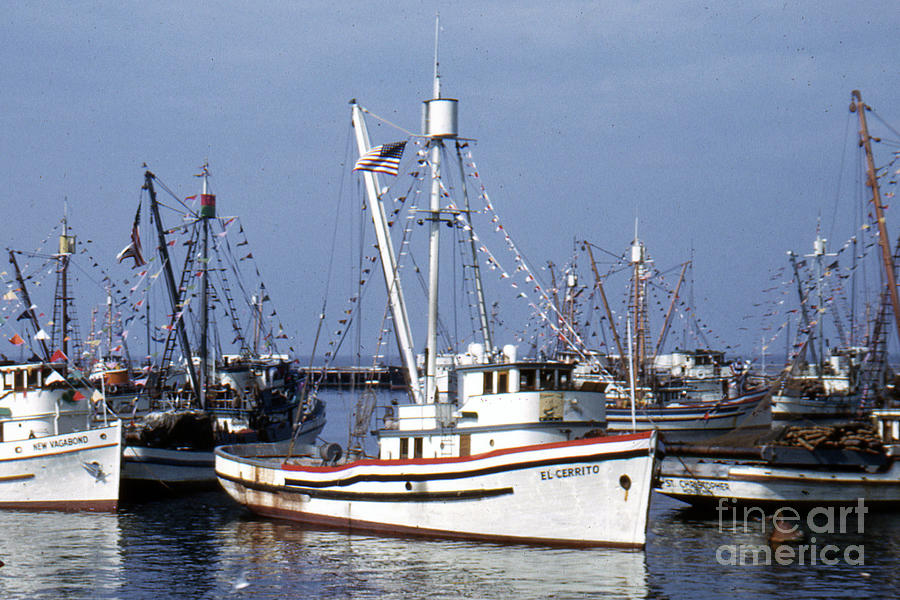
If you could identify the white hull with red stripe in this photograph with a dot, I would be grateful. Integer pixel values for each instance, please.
(589, 492)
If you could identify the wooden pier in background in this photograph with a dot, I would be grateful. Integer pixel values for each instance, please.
(349, 377)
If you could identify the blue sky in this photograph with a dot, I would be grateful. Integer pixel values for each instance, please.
(722, 128)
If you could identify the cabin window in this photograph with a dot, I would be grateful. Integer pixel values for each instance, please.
(565, 380)
(527, 380)
(19, 380)
(465, 444)
(404, 447)
(488, 382)
(502, 382)
(548, 377)
(417, 447)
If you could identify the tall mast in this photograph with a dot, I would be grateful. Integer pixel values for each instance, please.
(609, 316)
(388, 261)
(818, 256)
(207, 212)
(803, 313)
(66, 247)
(439, 122)
(858, 107)
(174, 296)
(637, 260)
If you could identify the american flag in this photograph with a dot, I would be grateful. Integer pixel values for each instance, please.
(382, 159)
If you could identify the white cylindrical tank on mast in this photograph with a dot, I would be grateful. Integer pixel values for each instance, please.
(439, 118)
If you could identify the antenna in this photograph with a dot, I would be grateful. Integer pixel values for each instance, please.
(437, 75)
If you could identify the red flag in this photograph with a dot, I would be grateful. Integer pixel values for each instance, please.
(58, 356)
(78, 396)
(16, 340)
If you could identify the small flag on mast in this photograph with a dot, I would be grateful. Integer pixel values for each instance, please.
(133, 250)
(382, 159)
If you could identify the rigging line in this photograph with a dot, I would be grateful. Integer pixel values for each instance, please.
(334, 233)
(177, 199)
(592, 245)
(883, 122)
(837, 193)
(394, 125)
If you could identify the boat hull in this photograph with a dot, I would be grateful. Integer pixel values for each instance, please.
(176, 469)
(592, 492)
(72, 471)
(696, 421)
(703, 483)
(818, 409)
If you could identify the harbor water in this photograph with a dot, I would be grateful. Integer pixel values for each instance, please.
(206, 546)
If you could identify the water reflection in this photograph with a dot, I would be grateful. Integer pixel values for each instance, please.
(683, 561)
(280, 555)
(59, 555)
(205, 546)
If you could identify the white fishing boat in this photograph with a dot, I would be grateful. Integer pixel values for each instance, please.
(841, 473)
(489, 447)
(826, 384)
(492, 463)
(690, 420)
(813, 464)
(59, 447)
(685, 396)
(830, 382)
(54, 451)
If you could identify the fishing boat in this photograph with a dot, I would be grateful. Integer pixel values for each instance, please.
(813, 463)
(60, 448)
(56, 452)
(694, 420)
(827, 385)
(209, 400)
(488, 447)
(809, 466)
(832, 382)
(685, 396)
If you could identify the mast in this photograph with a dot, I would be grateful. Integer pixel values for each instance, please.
(668, 317)
(803, 313)
(818, 254)
(609, 317)
(637, 259)
(207, 212)
(859, 107)
(434, 235)
(439, 122)
(66, 247)
(174, 296)
(257, 320)
(388, 261)
(26, 300)
(476, 270)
